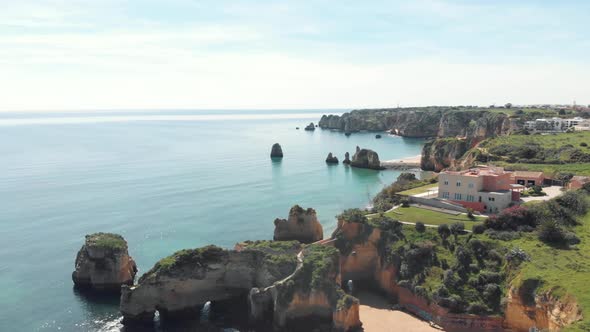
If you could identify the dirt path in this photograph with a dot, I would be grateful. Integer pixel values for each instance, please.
(376, 315)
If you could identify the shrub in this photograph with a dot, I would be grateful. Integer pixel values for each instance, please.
(478, 229)
(551, 232)
(502, 235)
(353, 215)
(513, 218)
(575, 201)
(450, 279)
(492, 293)
(477, 308)
(517, 256)
(406, 177)
(470, 214)
(444, 231)
(456, 229)
(405, 203)
(463, 256)
(420, 228)
(584, 144)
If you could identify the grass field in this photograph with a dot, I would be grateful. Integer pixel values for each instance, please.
(548, 169)
(547, 141)
(419, 190)
(566, 272)
(414, 214)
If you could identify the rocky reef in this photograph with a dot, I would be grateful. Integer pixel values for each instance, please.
(276, 151)
(103, 263)
(310, 127)
(365, 158)
(331, 159)
(302, 225)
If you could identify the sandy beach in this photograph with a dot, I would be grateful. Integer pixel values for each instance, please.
(408, 160)
(376, 315)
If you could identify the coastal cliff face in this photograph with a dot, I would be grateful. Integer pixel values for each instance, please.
(103, 263)
(302, 225)
(543, 311)
(469, 124)
(179, 285)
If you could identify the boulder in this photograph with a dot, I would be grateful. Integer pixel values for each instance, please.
(331, 159)
(103, 263)
(310, 127)
(346, 158)
(302, 225)
(365, 158)
(378, 136)
(276, 151)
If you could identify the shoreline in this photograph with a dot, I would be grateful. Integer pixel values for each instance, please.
(403, 163)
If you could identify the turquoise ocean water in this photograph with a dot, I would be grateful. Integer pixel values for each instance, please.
(165, 180)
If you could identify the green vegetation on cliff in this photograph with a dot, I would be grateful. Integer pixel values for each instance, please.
(199, 257)
(107, 241)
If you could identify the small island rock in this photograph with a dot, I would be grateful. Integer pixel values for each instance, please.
(276, 151)
(331, 159)
(302, 225)
(346, 158)
(378, 136)
(103, 263)
(310, 127)
(365, 158)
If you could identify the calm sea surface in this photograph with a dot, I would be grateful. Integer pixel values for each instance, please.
(164, 180)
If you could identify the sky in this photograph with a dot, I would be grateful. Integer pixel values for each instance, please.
(127, 54)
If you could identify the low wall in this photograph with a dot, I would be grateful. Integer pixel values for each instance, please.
(437, 204)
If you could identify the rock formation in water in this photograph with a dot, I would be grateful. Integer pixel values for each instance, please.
(103, 263)
(282, 285)
(330, 159)
(346, 158)
(302, 225)
(365, 158)
(276, 151)
(310, 126)
(378, 136)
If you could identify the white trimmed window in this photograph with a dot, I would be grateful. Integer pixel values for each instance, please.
(470, 198)
(446, 182)
(470, 185)
(458, 196)
(445, 194)
(458, 183)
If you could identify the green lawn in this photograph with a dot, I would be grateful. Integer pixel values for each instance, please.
(419, 190)
(566, 272)
(414, 214)
(548, 169)
(547, 141)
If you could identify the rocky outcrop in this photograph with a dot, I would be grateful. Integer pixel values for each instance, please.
(302, 225)
(311, 298)
(310, 127)
(103, 263)
(179, 285)
(365, 158)
(346, 158)
(330, 159)
(443, 153)
(276, 151)
(525, 308)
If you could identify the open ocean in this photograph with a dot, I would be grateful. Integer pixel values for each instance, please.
(165, 180)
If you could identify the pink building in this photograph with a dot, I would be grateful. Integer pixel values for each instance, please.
(484, 189)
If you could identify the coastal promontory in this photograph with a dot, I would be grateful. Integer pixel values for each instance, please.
(302, 225)
(103, 263)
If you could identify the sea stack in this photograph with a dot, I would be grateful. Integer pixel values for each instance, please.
(302, 225)
(103, 263)
(331, 159)
(276, 151)
(310, 127)
(365, 158)
(378, 136)
(346, 158)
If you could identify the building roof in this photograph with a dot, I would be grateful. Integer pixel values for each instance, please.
(528, 174)
(581, 178)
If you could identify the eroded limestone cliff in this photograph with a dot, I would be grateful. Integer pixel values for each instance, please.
(302, 225)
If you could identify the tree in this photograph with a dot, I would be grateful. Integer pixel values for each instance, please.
(406, 177)
(353, 215)
(456, 229)
(420, 228)
(444, 231)
(551, 232)
(508, 105)
(561, 112)
(478, 229)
